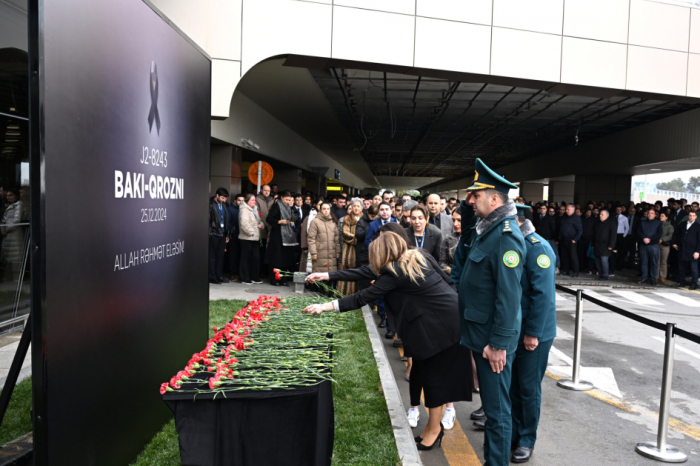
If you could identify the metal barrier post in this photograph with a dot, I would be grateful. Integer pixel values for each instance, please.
(574, 383)
(660, 450)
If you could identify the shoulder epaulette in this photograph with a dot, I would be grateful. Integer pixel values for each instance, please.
(507, 227)
(534, 240)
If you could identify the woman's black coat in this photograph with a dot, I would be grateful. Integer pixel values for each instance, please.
(431, 243)
(276, 254)
(426, 314)
(361, 255)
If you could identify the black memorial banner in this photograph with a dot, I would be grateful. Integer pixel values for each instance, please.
(120, 136)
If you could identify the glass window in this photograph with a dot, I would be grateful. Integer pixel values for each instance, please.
(14, 161)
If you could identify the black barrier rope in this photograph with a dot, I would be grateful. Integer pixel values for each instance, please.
(642, 320)
(629, 315)
(687, 335)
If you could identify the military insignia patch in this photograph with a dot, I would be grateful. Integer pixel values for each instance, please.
(543, 261)
(511, 259)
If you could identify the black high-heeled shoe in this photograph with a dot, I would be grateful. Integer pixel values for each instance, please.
(418, 439)
(438, 440)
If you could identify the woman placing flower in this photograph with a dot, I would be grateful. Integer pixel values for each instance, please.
(424, 309)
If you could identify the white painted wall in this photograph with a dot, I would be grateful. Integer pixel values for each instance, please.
(639, 45)
(276, 140)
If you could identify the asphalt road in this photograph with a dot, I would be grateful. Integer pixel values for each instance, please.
(624, 360)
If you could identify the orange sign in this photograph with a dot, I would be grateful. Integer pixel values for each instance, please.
(266, 176)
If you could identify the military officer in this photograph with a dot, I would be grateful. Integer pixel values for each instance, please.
(537, 332)
(487, 269)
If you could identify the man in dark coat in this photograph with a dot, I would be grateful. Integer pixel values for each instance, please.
(570, 231)
(604, 239)
(218, 229)
(686, 240)
(648, 234)
(282, 240)
(233, 250)
(588, 223)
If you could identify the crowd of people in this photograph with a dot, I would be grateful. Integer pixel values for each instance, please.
(402, 255)
(657, 241)
(250, 235)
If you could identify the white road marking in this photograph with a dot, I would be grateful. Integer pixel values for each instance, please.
(684, 300)
(602, 378)
(637, 298)
(605, 299)
(679, 348)
(563, 334)
(561, 355)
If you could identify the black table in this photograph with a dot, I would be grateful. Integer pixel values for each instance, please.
(256, 428)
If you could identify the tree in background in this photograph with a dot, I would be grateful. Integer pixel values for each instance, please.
(693, 184)
(675, 184)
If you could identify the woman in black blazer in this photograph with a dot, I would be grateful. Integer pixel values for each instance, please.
(424, 308)
(421, 236)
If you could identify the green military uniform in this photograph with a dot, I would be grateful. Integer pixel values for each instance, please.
(538, 320)
(487, 270)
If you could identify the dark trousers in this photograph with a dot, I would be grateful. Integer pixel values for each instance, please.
(526, 392)
(649, 260)
(683, 267)
(217, 247)
(569, 256)
(250, 261)
(382, 312)
(617, 259)
(582, 249)
(603, 265)
(495, 399)
(233, 256)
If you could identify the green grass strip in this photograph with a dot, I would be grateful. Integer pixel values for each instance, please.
(363, 434)
(18, 420)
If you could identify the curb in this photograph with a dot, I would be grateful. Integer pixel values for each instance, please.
(403, 434)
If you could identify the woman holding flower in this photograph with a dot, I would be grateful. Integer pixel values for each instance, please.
(423, 304)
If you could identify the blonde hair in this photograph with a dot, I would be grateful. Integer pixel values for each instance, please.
(390, 247)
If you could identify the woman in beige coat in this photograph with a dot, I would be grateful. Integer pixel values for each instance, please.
(250, 225)
(305, 264)
(322, 239)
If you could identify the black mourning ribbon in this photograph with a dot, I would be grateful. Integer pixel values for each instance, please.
(153, 114)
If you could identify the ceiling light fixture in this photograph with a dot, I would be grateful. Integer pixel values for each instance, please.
(654, 169)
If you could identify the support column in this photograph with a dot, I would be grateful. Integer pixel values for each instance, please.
(561, 191)
(288, 180)
(603, 188)
(532, 191)
(220, 168)
(225, 169)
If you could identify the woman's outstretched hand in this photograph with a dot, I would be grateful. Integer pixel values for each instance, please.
(316, 277)
(313, 309)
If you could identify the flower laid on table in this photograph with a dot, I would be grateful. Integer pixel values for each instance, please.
(268, 344)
